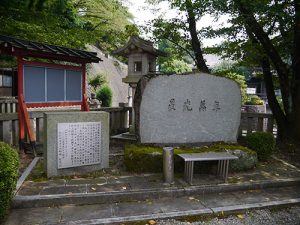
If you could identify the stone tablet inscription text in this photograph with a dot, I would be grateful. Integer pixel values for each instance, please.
(78, 144)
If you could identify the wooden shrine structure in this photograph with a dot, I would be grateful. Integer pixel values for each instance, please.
(44, 84)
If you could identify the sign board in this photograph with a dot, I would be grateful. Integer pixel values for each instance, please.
(75, 142)
(78, 144)
(49, 84)
(251, 91)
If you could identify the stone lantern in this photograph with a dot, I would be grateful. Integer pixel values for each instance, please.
(141, 61)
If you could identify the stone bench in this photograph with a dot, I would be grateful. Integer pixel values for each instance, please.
(222, 158)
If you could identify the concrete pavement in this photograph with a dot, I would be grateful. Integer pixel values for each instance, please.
(201, 204)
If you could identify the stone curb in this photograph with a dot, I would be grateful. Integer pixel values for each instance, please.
(26, 173)
(178, 214)
(142, 194)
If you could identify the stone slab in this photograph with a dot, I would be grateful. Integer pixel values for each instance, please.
(193, 108)
(52, 119)
(63, 190)
(150, 209)
(142, 191)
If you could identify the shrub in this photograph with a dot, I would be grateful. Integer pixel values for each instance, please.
(261, 142)
(97, 81)
(9, 164)
(254, 100)
(105, 96)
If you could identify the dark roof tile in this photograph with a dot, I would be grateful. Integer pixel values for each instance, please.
(53, 50)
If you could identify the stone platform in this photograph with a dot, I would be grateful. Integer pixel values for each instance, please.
(116, 197)
(212, 204)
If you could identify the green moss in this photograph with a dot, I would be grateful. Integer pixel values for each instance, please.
(234, 147)
(38, 174)
(139, 159)
(146, 158)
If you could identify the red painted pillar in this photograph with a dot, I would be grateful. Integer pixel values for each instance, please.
(83, 79)
(84, 103)
(20, 92)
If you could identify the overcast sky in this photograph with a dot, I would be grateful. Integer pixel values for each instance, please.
(144, 13)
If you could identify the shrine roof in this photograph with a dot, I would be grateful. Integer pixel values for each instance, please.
(19, 47)
(138, 42)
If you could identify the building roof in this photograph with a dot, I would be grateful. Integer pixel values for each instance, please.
(138, 42)
(18, 47)
(254, 80)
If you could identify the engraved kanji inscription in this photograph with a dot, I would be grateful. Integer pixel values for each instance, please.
(78, 144)
(202, 106)
(216, 106)
(187, 105)
(171, 106)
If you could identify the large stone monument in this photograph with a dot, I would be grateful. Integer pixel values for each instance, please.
(193, 108)
(75, 142)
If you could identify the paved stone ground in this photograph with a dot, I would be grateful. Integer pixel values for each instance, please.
(117, 179)
(205, 204)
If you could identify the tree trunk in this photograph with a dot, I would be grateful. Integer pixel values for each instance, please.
(288, 121)
(201, 65)
(270, 50)
(295, 81)
(288, 126)
(273, 103)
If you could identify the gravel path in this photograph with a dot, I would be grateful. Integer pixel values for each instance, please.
(288, 216)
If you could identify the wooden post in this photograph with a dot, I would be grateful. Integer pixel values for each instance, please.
(260, 124)
(270, 125)
(20, 92)
(84, 105)
(250, 121)
(25, 115)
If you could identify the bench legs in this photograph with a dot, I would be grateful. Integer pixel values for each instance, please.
(222, 171)
(188, 171)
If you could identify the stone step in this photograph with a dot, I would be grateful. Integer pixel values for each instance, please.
(125, 137)
(185, 206)
(138, 192)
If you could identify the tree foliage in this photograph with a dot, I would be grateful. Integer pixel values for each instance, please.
(182, 31)
(97, 81)
(261, 34)
(70, 23)
(176, 62)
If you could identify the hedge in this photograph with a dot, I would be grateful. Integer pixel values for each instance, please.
(9, 165)
(263, 143)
